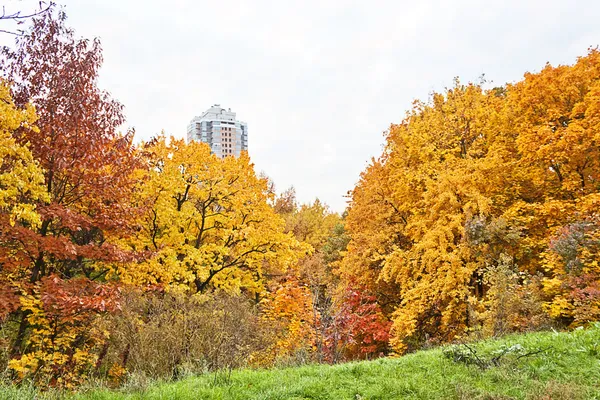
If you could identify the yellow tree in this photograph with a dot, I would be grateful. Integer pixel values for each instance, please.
(556, 116)
(208, 222)
(21, 178)
(21, 187)
(288, 309)
(443, 169)
(374, 223)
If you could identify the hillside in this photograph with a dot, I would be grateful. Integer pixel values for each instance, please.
(547, 365)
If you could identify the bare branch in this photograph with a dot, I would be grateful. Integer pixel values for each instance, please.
(19, 18)
(17, 15)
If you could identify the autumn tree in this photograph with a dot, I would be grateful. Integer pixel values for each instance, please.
(288, 308)
(357, 329)
(317, 275)
(343, 321)
(87, 167)
(19, 17)
(21, 188)
(286, 203)
(207, 222)
(555, 113)
(475, 184)
(427, 184)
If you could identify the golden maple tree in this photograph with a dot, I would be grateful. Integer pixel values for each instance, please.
(475, 182)
(208, 222)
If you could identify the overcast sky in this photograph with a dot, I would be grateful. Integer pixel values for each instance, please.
(318, 82)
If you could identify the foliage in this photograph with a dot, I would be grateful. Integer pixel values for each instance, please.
(21, 179)
(21, 187)
(63, 335)
(359, 329)
(471, 179)
(207, 221)
(335, 325)
(288, 309)
(479, 219)
(83, 199)
(512, 303)
(574, 286)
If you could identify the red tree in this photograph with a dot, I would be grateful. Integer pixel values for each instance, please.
(360, 330)
(88, 167)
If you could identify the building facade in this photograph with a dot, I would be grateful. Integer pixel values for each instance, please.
(218, 127)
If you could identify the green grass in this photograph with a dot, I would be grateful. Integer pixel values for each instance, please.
(568, 368)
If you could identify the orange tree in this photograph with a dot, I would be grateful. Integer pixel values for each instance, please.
(433, 177)
(475, 182)
(557, 115)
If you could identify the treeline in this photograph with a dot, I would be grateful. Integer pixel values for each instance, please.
(160, 259)
(482, 215)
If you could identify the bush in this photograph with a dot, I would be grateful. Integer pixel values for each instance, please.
(170, 335)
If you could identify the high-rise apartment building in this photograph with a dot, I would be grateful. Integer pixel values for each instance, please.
(218, 127)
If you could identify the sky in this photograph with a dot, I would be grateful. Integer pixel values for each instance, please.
(318, 82)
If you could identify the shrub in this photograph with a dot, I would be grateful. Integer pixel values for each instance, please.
(170, 335)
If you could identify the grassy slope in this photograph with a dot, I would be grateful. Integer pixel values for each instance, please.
(568, 369)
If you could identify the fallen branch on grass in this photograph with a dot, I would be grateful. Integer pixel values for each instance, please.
(467, 355)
